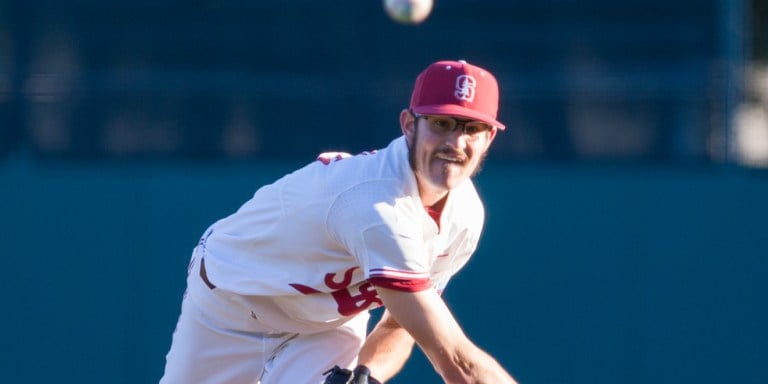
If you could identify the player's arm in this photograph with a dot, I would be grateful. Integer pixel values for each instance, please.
(429, 321)
(386, 348)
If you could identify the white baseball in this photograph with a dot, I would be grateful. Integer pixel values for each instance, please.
(408, 11)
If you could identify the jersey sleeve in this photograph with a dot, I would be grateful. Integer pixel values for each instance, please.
(372, 225)
(394, 260)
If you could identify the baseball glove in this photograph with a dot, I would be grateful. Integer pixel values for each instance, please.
(360, 375)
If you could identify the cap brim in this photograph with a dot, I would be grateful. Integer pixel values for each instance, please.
(459, 111)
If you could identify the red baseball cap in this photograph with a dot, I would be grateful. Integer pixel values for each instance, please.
(457, 88)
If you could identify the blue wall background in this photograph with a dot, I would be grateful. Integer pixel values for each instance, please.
(586, 274)
(650, 80)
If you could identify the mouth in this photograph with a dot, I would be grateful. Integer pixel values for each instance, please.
(451, 158)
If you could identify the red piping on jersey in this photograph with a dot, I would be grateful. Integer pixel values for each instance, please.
(415, 285)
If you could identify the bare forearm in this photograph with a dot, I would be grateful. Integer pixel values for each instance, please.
(430, 322)
(472, 365)
(386, 350)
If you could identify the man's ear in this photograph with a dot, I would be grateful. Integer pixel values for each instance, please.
(407, 124)
(491, 136)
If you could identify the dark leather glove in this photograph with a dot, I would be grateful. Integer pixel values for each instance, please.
(360, 375)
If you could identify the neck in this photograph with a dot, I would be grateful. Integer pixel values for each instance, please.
(432, 197)
(439, 204)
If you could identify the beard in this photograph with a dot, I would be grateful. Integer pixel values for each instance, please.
(412, 156)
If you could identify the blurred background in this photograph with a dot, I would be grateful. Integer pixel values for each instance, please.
(626, 201)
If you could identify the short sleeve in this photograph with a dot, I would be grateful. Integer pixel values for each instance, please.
(384, 236)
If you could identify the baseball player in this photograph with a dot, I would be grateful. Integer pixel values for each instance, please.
(279, 291)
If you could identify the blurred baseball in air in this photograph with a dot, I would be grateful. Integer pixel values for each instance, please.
(408, 11)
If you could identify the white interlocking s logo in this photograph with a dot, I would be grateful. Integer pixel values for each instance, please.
(465, 88)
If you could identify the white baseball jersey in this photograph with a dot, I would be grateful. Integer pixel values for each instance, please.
(311, 247)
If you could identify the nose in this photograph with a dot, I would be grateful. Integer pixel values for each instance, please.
(457, 138)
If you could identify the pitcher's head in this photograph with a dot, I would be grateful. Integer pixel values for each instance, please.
(450, 123)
